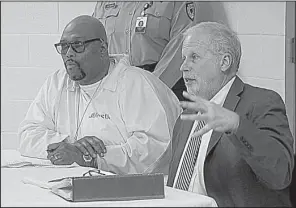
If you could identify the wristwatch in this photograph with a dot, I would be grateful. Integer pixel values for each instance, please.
(87, 158)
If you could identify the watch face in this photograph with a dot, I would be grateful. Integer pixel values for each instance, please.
(87, 158)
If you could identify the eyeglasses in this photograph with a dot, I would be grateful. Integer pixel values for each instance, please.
(77, 46)
(94, 172)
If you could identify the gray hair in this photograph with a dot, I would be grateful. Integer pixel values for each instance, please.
(221, 39)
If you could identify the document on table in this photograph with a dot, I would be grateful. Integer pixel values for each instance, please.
(60, 182)
(18, 161)
(41, 163)
(46, 184)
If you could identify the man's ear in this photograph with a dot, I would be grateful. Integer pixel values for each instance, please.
(104, 48)
(226, 62)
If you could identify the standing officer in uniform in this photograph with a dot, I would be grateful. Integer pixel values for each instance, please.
(151, 33)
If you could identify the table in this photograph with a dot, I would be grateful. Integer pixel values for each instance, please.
(15, 193)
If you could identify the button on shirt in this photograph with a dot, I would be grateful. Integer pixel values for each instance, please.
(197, 184)
(161, 41)
(133, 113)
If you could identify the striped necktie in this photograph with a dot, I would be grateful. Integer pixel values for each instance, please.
(189, 159)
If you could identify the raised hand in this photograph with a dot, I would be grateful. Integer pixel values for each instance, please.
(216, 117)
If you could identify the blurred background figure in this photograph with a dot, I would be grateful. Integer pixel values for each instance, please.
(150, 33)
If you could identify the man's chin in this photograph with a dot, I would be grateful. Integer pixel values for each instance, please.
(76, 76)
(190, 90)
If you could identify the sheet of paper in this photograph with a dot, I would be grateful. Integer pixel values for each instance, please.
(15, 160)
(41, 163)
(55, 183)
(41, 184)
(107, 173)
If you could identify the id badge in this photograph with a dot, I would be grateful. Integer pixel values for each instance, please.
(141, 24)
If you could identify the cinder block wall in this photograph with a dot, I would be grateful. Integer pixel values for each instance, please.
(29, 30)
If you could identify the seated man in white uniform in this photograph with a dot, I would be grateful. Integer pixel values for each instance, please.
(100, 112)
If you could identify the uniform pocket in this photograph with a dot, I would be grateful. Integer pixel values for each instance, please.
(159, 20)
(107, 13)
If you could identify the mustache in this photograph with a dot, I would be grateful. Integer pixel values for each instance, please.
(190, 76)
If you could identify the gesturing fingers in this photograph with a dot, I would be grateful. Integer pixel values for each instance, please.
(193, 117)
(196, 107)
(196, 104)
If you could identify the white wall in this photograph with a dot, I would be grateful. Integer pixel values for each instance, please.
(261, 29)
(29, 30)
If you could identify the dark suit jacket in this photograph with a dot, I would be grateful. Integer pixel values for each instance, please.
(252, 167)
(293, 187)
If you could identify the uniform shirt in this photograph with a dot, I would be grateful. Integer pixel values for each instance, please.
(132, 112)
(197, 184)
(162, 39)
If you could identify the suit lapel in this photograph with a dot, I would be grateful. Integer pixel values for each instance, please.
(230, 103)
(180, 137)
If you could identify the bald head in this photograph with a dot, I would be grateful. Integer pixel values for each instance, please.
(84, 50)
(86, 27)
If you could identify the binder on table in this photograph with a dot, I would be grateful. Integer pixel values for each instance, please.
(110, 187)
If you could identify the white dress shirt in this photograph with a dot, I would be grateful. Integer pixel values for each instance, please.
(132, 112)
(197, 184)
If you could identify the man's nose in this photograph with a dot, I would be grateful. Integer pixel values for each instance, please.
(70, 52)
(184, 67)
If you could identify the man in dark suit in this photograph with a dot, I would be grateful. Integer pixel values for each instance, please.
(233, 141)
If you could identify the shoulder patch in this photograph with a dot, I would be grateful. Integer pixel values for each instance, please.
(190, 10)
